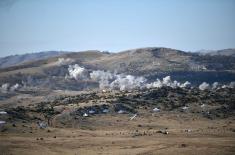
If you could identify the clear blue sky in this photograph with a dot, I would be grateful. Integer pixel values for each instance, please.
(115, 25)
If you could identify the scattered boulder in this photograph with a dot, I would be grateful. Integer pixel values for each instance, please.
(156, 110)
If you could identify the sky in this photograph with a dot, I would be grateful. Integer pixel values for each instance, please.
(28, 26)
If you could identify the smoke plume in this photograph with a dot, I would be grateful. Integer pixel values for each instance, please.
(204, 86)
(127, 82)
(75, 71)
(166, 81)
(63, 61)
(113, 81)
(15, 87)
(5, 87)
(102, 77)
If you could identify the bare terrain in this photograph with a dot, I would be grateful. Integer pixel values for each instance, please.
(133, 102)
(130, 125)
(118, 135)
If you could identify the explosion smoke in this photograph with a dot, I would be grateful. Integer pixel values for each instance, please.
(75, 71)
(5, 87)
(15, 87)
(102, 77)
(113, 81)
(127, 82)
(204, 86)
(166, 81)
(63, 61)
(215, 85)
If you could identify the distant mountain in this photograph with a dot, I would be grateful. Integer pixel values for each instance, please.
(224, 52)
(145, 61)
(18, 59)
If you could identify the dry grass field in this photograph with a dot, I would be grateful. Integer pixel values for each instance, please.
(161, 133)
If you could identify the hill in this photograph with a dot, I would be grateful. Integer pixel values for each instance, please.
(224, 52)
(150, 63)
(18, 59)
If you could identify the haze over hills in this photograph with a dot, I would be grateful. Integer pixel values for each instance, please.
(225, 52)
(18, 59)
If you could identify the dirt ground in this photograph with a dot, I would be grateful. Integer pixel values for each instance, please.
(160, 133)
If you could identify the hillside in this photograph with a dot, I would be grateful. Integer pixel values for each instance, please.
(109, 103)
(18, 59)
(224, 52)
(151, 63)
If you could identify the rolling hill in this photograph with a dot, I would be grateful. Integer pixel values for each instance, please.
(18, 59)
(151, 63)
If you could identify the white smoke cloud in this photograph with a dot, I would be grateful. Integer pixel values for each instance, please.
(156, 84)
(224, 86)
(185, 85)
(127, 82)
(5, 87)
(215, 85)
(15, 87)
(63, 61)
(204, 86)
(175, 84)
(108, 80)
(102, 77)
(232, 85)
(75, 71)
(166, 81)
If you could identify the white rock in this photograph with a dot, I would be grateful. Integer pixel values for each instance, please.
(185, 108)
(121, 111)
(105, 111)
(156, 110)
(85, 115)
(2, 122)
(3, 112)
(203, 105)
(91, 111)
